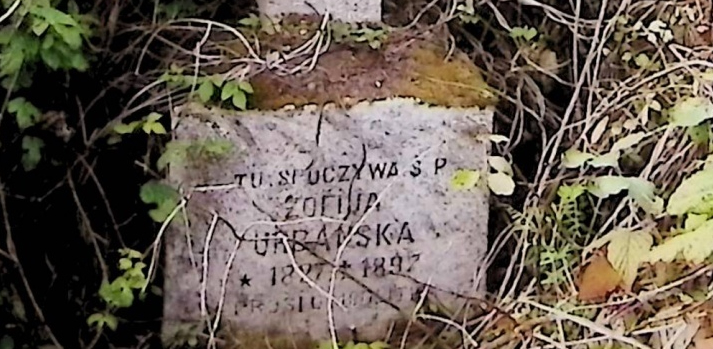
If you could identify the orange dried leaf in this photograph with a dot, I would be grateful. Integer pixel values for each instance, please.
(598, 280)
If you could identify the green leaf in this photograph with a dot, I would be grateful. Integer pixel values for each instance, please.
(526, 33)
(71, 36)
(151, 125)
(606, 186)
(694, 246)
(111, 321)
(252, 21)
(570, 193)
(53, 16)
(163, 196)
(378, 345)
(51, 58)
(628, 141)
(32, 152)
(153, 117)
(79, 61)
(26, 114)
(691, 111)
(158, 129)
(228, 90)
(500, 164)
(175, 153)
(246, 86)
(694, 221)
(129, 253)
(39, 26)
(574, 158)
(501, 184)
(125, 263)
(465, 179)
(642, 191)
(240, 100)
(216, 147)
(610, 159)
(205, 91)
(700, 134)
(694, 195)
(96, 318)
(6, 342)
(626, 251)
(122, 128)
(639, 190)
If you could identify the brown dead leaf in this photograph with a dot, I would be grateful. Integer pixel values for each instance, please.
(598, 280)
(702, 343)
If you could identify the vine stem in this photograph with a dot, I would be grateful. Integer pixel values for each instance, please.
(10, 11)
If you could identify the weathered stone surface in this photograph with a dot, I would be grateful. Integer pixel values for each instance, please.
(343, 10)
(290, 192)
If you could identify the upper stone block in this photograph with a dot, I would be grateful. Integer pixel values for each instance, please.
(343, 10)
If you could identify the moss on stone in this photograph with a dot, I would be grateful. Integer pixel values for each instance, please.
(409, 63)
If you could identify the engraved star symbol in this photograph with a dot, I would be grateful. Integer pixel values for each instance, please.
(245, 280)
(345, 265)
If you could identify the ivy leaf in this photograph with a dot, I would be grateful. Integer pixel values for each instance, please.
(32, 152)
(163, 196)
(694, 195)
(694, 246)
(501, 184)
(25, 112)
(626, 251)
(465, 179)
(691, 111)
(574, 158)
(205, 91)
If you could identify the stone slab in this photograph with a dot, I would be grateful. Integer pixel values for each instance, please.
(353, 11)
(291, 192)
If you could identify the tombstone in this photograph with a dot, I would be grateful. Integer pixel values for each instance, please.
(327, 219)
